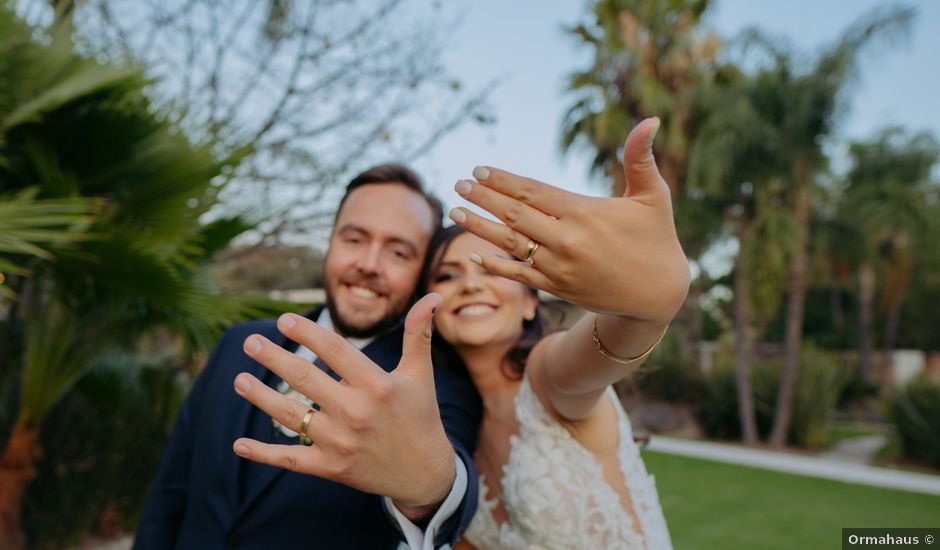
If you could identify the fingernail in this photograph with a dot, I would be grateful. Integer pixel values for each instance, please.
(481, 173)
(242, 384)
(475, 258)
(286, 321)
(253, 344)
(457, 215)
(652, 135)
(463, 187)
(241, 449)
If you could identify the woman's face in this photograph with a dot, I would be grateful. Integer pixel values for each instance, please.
(479, 309)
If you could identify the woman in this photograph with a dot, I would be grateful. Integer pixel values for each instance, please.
(558, 465)
(546, 480)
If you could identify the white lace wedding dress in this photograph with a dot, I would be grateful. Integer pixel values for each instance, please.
(556, 496)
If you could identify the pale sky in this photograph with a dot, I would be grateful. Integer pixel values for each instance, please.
(524, 43)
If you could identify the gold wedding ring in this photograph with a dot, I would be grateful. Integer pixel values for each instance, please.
(530, 250)
(303, 427)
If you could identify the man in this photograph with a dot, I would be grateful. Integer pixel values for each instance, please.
(382, 440)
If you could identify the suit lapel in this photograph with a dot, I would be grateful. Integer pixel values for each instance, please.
(256, 424)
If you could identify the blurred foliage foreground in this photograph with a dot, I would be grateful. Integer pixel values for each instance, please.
(103, 254)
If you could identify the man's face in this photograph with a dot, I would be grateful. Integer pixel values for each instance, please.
(375, 257)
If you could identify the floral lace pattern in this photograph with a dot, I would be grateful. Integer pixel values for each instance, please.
(556, 496)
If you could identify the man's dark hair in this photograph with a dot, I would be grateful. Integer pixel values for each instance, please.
(395, 174)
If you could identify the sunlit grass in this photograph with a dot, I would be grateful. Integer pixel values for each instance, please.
(710, 505)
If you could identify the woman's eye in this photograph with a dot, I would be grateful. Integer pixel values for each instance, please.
(443, 277)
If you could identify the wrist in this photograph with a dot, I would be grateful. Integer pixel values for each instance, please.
(421, 507)
(625, 339)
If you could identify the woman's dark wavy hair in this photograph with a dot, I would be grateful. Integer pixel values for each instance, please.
(442, 353)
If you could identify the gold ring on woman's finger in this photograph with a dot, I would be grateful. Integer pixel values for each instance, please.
(530, 250)
(303, 427)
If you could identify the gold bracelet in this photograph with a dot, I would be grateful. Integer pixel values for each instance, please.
(606, 353)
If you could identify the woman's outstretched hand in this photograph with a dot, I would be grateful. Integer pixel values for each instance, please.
(610, 255)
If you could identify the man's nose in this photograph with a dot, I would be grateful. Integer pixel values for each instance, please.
(370, 260)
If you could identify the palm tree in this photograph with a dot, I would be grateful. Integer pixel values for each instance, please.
(883, 201)
(802, 109)
(649, 57)
(733, 162)
(105, 241)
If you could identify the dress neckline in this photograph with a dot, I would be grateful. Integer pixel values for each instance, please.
(590, 462)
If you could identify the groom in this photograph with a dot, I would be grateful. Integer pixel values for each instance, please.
(205, 496)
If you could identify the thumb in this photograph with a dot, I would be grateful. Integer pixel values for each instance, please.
(416, 345)
(639, 165)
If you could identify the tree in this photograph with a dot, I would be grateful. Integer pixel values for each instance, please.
(884, 201)
(115, 250)
(801, 109)
(734, 163)
(317, 89)
(649, 57)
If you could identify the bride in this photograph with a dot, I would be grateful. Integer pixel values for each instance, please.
(557, 462)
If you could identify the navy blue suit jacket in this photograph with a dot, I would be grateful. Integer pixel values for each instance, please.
(205, 496)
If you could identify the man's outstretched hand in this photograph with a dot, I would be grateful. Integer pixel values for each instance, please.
(377, 432)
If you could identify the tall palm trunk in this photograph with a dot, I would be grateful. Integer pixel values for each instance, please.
(866, 298)
(894, 320)
(895, 289)
(742, 348)
(796, 300)
(17, 470)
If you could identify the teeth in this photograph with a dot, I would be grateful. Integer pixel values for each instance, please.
(362, 292)
(475, 310)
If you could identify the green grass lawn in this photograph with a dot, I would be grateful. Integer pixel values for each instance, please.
(711, 505)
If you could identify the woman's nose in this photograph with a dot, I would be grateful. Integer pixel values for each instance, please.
(472, 283)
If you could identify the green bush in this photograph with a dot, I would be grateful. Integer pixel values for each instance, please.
(670, 374)
(915, 412)
(821, 379)
(719, 413)
(101, 447)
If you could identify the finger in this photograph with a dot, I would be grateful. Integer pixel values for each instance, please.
(288, 412)
(296, 458)
(639, 165)
(298, 372)
(333, 349)
(541, 196)
(416, 344)
(512, 212)
(522, 272)
(499, 234)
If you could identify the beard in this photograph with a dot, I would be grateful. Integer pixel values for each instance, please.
(391, 318)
